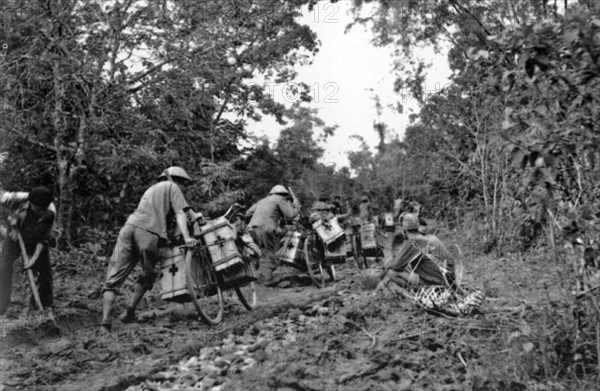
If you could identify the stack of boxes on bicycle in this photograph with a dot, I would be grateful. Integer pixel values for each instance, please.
(218, 242)
(172, 275)
(330, 232)
(367, 239)
(232, 270)
(389, 222)
(289, 247)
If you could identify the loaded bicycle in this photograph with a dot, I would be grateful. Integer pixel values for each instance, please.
(361, 243)
(315, 249)
(224, 259)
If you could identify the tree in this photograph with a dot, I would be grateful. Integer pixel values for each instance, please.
(525, 89)
(143, 83)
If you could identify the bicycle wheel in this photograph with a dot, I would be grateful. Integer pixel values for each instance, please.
(202, 285)
(247, 295)
(315, 270)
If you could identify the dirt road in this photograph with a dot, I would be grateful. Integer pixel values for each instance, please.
(341, 337)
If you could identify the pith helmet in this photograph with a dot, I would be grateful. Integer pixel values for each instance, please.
(175, 171)
(410, 222)
(278, 189)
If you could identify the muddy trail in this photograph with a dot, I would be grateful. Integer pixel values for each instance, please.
(345, 336)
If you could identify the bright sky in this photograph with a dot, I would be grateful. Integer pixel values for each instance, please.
(344, 70)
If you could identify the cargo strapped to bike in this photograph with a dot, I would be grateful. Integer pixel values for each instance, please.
(330, 232)
(289, 247)
(172, 275)
(219, 237)
(336, 255)
(367, 239)
(389, 222)
(238, 275)
(349, 232)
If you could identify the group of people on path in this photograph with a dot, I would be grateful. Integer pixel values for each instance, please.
(32, 216)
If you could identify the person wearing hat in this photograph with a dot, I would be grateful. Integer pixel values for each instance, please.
(416, 258)
(417, 208)
(144, 231)
(264, 223)
(31, 215)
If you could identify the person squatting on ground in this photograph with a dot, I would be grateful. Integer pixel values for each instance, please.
(32, 215)
(264, 225)
(407, 267)
(144, 232)
(425, 269)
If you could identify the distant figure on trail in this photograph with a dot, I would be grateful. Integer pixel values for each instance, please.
(337, 205)
(142, 235)
(415, 208)
(397, 209)
(264, 225)
(31, 216)
(365, 209)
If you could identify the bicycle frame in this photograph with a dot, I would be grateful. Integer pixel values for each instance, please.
(208, 265)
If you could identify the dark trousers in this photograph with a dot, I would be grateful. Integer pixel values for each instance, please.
(269, 244)
(42, 270)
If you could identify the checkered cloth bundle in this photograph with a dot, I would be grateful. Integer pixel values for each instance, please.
(442, 299)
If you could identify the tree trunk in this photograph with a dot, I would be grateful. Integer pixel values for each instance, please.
(62, 155)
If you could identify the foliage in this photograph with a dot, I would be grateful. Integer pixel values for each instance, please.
(98, 97)
(525, 90)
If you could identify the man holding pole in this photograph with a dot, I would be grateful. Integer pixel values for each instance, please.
(29, 233)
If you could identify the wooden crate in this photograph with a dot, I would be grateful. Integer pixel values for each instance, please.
(289, 246)
(367, 237)
(172, 275)
(329, 232)
(336, 255)
(219, 237)
(239, 274)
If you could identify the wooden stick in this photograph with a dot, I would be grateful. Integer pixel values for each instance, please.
(36, 294)
(585, 292)
(374, 339)
(462, 360)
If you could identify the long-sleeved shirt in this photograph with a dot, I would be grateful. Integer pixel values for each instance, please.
(34, 228)
(267, 212)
